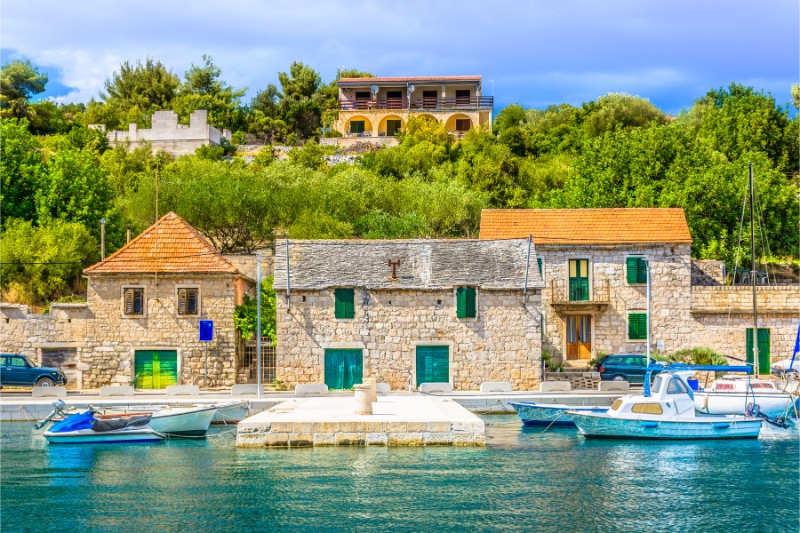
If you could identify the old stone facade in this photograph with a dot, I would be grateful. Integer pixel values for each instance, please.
(169, 136)
(112, 339)
(396, 319)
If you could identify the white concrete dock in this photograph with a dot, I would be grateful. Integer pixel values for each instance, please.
(397, 420)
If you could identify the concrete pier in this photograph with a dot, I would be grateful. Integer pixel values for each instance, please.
(397, 420)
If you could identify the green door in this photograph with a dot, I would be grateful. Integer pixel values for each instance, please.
(156, 369)
(343, 368)
(763, 349)
(433, 364)
(578, 279)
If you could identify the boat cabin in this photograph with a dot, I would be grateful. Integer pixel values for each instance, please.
(669, 395)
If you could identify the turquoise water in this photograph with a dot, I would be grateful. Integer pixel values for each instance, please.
(524, 480)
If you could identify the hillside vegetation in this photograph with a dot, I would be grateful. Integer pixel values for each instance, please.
(59, 178)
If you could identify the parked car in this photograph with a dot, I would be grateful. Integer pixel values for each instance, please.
(624, 367)
(16, 369)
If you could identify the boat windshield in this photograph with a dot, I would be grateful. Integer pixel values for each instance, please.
(676, 386)
(656, 386)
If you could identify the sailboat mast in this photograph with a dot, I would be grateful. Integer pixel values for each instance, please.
(753, 269)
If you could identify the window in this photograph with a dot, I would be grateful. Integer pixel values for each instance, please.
(637, 326)
(463, 124)
(636, 270)
(18, 362)
(539, 264)
(677, 387)
(188, 301)
(356, 126)
(647, 408)
(394, 99)
(462, 96)
(133, 298)
(578, 279)
(465, 302)
(393, 127)
(362, 99)
(345, 303)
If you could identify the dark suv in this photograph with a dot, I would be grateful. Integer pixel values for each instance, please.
(624, 367)
(15, 369)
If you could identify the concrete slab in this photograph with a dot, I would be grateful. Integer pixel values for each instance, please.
(397, 420)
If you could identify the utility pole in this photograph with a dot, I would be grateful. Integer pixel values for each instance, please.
(258, 321)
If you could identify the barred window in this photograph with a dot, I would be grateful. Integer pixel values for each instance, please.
(187, 301)
(133, 300)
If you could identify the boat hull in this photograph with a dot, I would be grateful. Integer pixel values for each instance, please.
(599, 425)
(183, 422)
(551, 415)
(735, 403)
(87, 436)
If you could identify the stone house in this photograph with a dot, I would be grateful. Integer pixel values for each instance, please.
(141, 319)
(408, 312)
(594, 263)
(377, 109)
(165, 134)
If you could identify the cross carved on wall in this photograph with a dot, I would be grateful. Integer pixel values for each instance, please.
(393, 264)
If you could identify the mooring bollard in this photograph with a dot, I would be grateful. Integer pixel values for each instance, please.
(373, 383)
(363, 399)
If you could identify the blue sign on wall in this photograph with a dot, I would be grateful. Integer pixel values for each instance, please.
(206, 330)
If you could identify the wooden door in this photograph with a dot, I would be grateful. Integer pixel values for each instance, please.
(579, 337)
(433, 364)
(343, 368)
(763, 349)
(156, 369)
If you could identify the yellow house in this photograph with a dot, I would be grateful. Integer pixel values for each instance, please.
(380, 107)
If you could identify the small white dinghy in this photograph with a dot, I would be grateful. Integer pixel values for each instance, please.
(731, 395)
(666, 413)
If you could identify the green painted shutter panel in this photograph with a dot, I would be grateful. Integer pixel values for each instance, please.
(343, 368)
(433, 364)
(465, 302)
(641, 270)
(637, 326)
(763, 349)
(345, 303)
(143, 370)
(156, 369)
(539, 264)
(636, 270)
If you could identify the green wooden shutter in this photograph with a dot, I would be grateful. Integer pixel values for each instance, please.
(637, 326)
(182, 301)
(636, 270)
(345, 303)
(433, 364)
(763, 349)
(128, 295)
(539, 264)
(466, 305)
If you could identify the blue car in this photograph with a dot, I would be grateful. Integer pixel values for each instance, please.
(17, 370)
(628, 367)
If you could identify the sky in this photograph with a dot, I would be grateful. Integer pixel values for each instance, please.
(530, 52)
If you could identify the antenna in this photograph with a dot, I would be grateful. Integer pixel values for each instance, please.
(410, 89)
(374, 89)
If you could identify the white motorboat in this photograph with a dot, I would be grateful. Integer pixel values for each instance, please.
(183, 421)
(665, 413)
(85, 428)
(734, 395)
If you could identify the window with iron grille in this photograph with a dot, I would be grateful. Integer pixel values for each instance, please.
(188, 300)
(133, 300)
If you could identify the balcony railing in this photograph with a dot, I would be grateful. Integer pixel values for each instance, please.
(562, 291)
(420, 104)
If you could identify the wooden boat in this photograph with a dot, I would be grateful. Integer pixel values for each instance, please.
(533, 414)
(85, 428)
(665, 413)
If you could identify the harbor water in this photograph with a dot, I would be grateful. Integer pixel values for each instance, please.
(524, 480)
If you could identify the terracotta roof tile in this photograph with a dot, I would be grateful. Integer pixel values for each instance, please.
(169, 246)
(409, 79)
(587, 226)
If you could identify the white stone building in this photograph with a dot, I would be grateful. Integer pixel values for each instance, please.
(408, 312)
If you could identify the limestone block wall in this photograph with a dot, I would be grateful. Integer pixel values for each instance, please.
(670, 268)
(27, 333)
(108, 355)
(502, 344)
(721, 316)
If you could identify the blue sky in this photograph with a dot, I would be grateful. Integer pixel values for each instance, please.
(535, 53)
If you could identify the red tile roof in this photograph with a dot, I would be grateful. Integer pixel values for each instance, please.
(587, 226)
(169, 246)
(409, 79)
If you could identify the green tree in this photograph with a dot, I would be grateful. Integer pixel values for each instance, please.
(619, 110)
(245, 316)
(203, 89)
(44, 263)
(298, 105)
(22, 170)
(19, 80)
(134, 93)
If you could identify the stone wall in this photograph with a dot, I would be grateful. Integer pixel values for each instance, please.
(502, 344)
(708, 272)
(721, 316)
(106, 339)
(612, 298)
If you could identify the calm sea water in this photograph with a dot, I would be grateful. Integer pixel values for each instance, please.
(524, 480)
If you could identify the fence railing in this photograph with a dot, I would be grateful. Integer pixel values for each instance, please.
(420, 104)
(267, 361)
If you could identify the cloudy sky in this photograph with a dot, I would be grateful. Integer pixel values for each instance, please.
(531, 52)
